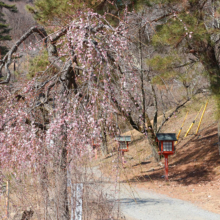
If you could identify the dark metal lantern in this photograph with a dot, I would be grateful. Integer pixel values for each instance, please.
(123, 142)
(166, 143)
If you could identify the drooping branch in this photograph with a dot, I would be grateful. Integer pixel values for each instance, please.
(7, 60)
(49, 43)
(142, 78)
(172, 113)
(125, 114)
(156, 109)
(56, 36)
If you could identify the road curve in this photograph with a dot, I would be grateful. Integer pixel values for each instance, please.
(139, 204)
(153, 206)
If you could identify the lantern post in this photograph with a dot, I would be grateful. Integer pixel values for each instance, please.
(95, 147)
(166, 166)
(123, 145)
(166, 147)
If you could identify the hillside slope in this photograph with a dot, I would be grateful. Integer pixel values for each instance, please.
(19, 22)
(194, 170)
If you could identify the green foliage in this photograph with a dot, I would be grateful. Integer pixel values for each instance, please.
(38, 64)
(159, 63)
(163, 66)
(168, 34)
(59, 10)
(139, 4)
(3, 50)
(189, 32)
(12, 8)
(157, 80)
(174, 32)
(4, 29)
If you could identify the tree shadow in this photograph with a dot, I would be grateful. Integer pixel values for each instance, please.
(190, 176)
(193, 163)
(200, 150)
(137, 201)
(142, 163)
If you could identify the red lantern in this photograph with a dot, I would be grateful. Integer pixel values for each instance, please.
(166, 147)
(95, 147)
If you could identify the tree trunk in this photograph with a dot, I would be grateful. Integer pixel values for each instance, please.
(27, 214)
(62, 178)
(152, 140)
(208, 54)
(150, 133)
(210, 59)
(62, 196)
(44, 186)
(104, 146)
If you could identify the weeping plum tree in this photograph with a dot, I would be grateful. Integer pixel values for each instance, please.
(53, 116)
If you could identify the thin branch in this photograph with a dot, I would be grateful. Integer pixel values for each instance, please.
(162, 17)
(172, 113)
(167, 88)
(203, 4)
(125, 114)
(7, 60)
(49, 44)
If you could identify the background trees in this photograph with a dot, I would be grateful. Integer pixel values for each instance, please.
(190, 28)
(4, 29)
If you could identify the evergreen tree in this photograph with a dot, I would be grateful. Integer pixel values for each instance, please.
(4, 29)
(189, 28)
(59, 11)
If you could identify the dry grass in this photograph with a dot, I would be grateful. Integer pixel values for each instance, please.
(139, 149)
(194, 167)
(195, 163)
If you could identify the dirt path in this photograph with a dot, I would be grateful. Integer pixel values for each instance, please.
(141, 204)
(144, 205)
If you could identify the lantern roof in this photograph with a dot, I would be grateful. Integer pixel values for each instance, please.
(166, 136)
(123, 138)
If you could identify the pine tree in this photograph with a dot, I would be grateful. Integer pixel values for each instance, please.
(190, 27)
(59, 11)
(4, 28)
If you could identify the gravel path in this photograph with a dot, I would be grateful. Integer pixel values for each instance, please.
(139, 204)
(152, 206)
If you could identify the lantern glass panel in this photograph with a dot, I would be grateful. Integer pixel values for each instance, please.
(167, 146)
(122, 145)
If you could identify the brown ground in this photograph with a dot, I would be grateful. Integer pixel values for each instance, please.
(194, 171)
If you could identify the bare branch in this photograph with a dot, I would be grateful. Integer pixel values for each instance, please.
(7, 60)
(49, 44)
(172, 113)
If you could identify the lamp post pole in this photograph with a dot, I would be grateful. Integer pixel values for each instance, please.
(7, 199)
(122, 157)
(166, 166)
(219, 136)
